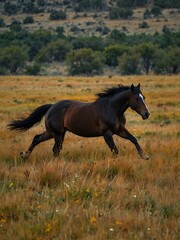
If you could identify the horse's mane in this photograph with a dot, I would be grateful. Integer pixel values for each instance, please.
(111, 91)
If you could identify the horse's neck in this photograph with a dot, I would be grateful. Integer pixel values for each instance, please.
(120, 102)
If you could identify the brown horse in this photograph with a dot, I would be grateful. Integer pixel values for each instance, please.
(103, 117)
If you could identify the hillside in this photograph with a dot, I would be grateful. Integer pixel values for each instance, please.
(104, 37)
(88, 21)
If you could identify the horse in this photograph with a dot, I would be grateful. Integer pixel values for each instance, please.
(102, 117)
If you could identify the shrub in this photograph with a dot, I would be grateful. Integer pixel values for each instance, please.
(16, 26)
(37, 40)
(84, 61)
(173, 60)
(95, 43)
(54, 51)
(143, 25)
(29, 7)
(117, 36)
(156, 11)
(3, 71)
(120, 13)
(10, 8)
(33, 69)
(147, 51)
(113, 52)
(60, 31)
(147, 13)
(129, 63)
(2, 24)
(13, 58)
(57, 15)
(28, 20)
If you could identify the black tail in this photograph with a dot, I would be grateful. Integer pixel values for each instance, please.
(23, 124)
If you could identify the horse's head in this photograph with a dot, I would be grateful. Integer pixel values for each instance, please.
(137, 102)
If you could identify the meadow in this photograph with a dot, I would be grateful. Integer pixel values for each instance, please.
(87, 193)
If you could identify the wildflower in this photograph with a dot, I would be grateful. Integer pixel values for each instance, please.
(119, 223)
(134, 196)
(48, 228)
(66, 185)
(93, 220)
(3, 220)
(111, 229)
(11, 184)
(95, 194)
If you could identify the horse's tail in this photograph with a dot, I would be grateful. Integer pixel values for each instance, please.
(24, 123)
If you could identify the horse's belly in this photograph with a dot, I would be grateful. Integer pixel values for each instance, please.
(84, 130)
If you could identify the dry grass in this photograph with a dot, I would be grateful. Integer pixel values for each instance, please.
(86, 193)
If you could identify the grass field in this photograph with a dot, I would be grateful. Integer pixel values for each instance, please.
(86, 193)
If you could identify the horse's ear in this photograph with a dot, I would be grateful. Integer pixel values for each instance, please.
(138, 86)
(132, 87)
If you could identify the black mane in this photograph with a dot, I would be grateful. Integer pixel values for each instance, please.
(111, 91)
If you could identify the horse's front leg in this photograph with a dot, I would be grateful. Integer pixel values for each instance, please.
(108, 137)
(123, 132)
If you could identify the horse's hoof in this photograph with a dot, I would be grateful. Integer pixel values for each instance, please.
(146, 157)
(24, 155)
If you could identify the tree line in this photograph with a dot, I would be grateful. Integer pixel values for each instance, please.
(26, 52)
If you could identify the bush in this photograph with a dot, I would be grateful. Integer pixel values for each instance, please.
(30, 8)
(84, 61)
(37, 40)
(60, 32)
(84, 5)
(155, 11)
(54, 51)
(129, 63)
(2, 24)
(113, 52)
(57, 15)
(41, 3)
(3, 71)
(173, 60)
(117, 36)
(167, 4)
(143, 25)
(33, 69)
(95, 43)
(10, 8)
(147, 13)
(13, 58)
(120, 13)
(28, 20)
(16, 26)
(147, 51)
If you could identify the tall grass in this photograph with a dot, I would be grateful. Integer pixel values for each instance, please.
(87, 193)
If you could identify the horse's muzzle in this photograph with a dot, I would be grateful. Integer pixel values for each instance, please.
(145, 115)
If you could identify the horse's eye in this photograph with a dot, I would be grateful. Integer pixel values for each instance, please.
(137, 99)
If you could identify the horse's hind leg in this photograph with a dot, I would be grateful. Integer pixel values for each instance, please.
(59, 138)
(37, 139)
